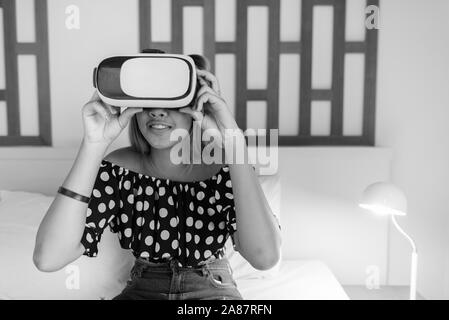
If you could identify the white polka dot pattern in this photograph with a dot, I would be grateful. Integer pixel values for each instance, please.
(160, 218)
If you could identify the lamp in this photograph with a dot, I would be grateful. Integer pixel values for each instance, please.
(386, 199)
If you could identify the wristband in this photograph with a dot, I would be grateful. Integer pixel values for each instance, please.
(73, 195)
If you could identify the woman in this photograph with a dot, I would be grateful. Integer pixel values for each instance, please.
(174, 217)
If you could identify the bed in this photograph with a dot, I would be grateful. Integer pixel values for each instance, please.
(86, 278)
(296, 280)
(324, 234)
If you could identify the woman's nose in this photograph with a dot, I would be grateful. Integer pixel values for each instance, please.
(158, 113)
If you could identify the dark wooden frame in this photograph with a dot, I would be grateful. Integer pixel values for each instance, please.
(368, 47)
(11, 93)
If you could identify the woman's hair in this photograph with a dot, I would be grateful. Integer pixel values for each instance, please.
(138, 141)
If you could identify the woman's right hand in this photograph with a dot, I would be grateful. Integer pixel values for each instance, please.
(102, 122)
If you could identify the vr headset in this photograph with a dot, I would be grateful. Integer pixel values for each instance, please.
(147, 80)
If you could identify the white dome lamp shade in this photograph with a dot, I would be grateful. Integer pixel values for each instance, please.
(385, 198)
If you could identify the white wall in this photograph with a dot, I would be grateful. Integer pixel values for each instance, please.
(320, 218)
(107, 27)
(413, 118)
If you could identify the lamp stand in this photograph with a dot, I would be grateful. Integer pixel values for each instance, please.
(414, 262)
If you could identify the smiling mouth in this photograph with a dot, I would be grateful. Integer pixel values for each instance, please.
(159, 126)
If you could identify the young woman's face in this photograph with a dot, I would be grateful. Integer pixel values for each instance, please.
(157, 124)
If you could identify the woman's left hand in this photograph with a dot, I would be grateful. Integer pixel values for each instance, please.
(210, 108)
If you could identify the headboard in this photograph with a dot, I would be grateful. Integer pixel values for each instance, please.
(42, 169)
(35, 169)
(319, 216)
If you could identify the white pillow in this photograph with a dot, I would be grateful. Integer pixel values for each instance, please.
(102, 277)
(242, 269)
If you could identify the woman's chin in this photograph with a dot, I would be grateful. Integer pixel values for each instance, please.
(159, 140)
(167, 140)
(161, 144)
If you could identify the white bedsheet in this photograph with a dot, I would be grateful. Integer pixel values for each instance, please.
(297, 280)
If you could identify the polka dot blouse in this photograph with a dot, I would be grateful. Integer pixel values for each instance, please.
(160, 218)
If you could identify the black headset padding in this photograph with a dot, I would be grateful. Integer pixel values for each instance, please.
(152, 51)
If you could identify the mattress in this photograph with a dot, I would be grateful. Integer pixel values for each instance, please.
(297, 280)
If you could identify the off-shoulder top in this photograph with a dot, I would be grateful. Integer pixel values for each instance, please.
(159, 219)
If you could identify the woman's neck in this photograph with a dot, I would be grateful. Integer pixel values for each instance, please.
(159, 161)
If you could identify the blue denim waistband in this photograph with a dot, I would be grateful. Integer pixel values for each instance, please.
(173, 265)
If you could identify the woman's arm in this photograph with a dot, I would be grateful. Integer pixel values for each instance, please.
(58, 238)
(59, 234)
(257, 236)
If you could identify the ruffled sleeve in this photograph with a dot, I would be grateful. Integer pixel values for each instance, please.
(102, 208)
(227, 200)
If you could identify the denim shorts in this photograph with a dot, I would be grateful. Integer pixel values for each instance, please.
(168, 281)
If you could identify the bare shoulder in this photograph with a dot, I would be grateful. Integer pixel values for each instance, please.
(124, 157)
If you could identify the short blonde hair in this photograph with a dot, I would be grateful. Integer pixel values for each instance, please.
(137, 140)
